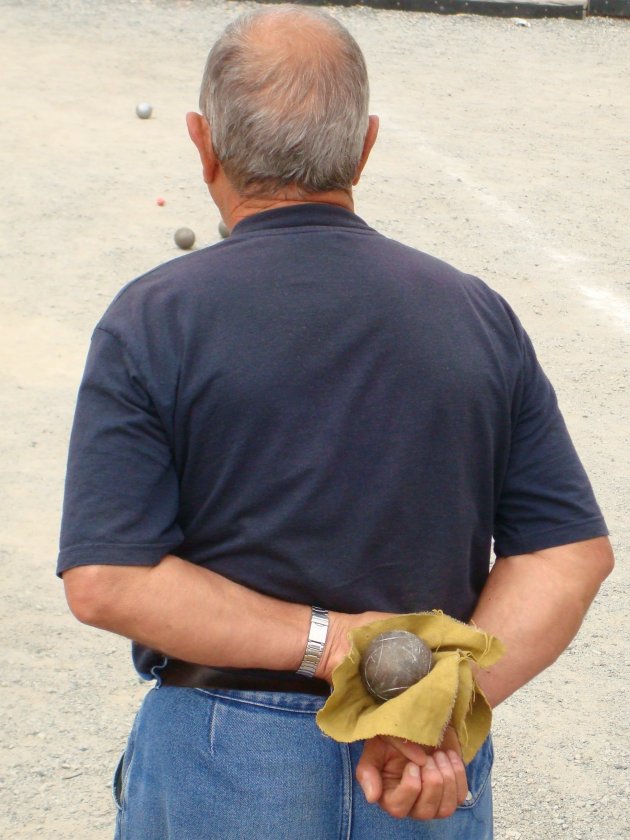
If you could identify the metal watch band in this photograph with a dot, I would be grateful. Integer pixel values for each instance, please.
(316, 642)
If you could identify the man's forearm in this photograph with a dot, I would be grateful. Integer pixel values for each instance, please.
(194, 614)
(190, 613)
(535, 604)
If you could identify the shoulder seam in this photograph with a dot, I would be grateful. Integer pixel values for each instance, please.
(125, 348)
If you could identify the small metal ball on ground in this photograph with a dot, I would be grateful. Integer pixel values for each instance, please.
(184, 238)
(144, 110)
(393, 662)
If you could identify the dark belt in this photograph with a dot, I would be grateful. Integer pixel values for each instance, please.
(186, 675)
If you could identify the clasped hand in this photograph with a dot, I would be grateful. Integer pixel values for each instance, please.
(408, 780)
(405, 779)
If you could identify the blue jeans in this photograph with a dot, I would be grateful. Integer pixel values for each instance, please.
(251, 765)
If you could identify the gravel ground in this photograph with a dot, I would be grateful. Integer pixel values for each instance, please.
(503, 149)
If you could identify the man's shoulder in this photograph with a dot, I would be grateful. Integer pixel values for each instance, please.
(163, 289)
(171, 277)
(433, 270)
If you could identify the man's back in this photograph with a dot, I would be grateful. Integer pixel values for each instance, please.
(327, 413)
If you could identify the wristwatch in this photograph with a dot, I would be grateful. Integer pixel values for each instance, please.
(316, 642)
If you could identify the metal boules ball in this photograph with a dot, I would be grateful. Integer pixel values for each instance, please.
(184, 238)
(223, 230)
(144, 110)
(393, 662)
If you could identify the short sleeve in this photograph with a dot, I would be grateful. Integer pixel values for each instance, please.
(546, 499)
(122, 495)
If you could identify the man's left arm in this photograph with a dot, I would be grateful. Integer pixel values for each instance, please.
(535, 603)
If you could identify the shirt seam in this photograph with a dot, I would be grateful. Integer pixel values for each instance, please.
(112, 545)
(126, 349)
(520, 544)
(301, 229)
(573, 524)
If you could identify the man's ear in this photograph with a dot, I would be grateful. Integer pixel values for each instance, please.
(370, 140)
(200, 134)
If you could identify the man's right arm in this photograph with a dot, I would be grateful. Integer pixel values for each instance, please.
(191, 613)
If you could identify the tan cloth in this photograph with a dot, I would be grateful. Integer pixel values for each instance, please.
(422, 712)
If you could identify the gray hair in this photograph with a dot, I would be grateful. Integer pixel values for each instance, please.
(288, 104)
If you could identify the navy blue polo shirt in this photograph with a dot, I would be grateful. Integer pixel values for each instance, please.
(324, 415)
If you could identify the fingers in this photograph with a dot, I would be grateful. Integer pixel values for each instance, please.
(370, 780)
(460, 775)
(444, 787)
(370, 768)
(439, 789)
(388, 777)
(403, 788)
(400, 799)
(411, 751)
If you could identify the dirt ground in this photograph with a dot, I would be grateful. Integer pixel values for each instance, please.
(503, 149)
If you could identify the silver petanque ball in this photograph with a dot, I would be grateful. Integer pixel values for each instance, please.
(184, 238)
(393, 662)
(144, 110)
(223, 230)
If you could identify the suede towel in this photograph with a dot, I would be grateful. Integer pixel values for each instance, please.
(448, 693)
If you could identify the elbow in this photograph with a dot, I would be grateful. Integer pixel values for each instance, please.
(600, 562)
(606, 560)
(88, 591)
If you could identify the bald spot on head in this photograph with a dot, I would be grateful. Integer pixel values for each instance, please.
(289, 52)
(285, 92)
(290, 26)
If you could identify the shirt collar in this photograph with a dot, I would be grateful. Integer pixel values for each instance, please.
(299, 215)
